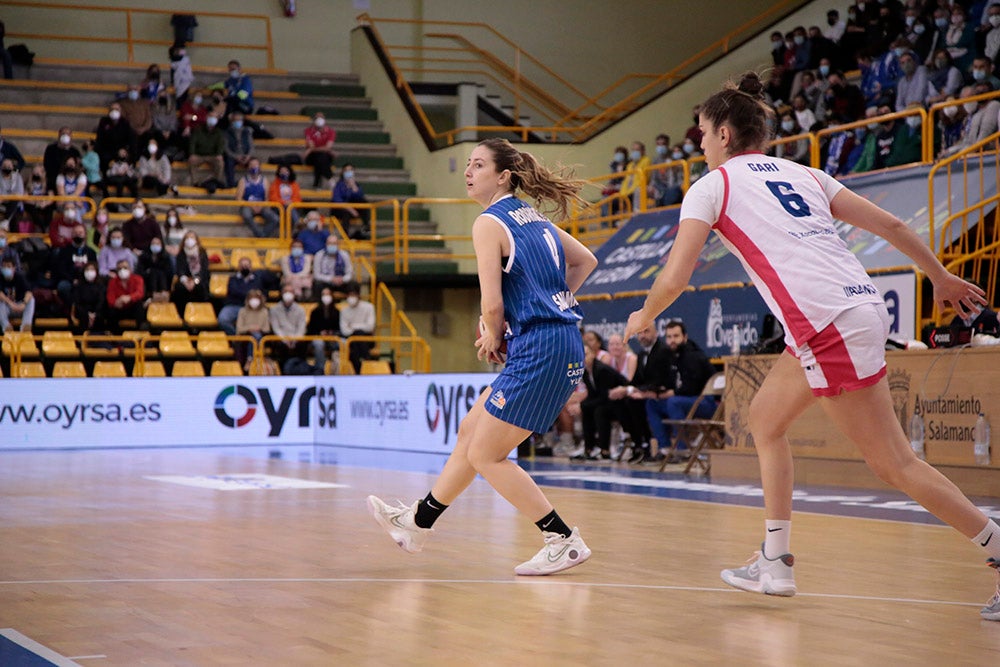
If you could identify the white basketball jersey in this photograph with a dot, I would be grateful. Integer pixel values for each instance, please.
(774, 215)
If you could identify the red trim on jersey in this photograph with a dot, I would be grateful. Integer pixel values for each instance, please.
(796, 321)
(834, 360)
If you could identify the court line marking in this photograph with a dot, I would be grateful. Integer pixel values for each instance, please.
(498, 582)
(40, 650)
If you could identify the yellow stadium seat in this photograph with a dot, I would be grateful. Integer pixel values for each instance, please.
(164, 316)
(31, 369)
(187, 369)
(214, 344)
(102, 349)
(273, 257)
(153, 369)
(69, 369)
(176, 344)
(222, 367)
(375, 367)
(309, 307)
(59, 344)
(109, 369)
(239, 253)
(22, 340)
(200, 315)
(218, 285)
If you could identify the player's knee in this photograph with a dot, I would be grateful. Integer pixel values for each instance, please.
(761, 425)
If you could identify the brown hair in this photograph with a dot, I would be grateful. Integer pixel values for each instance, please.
(540, 183)
(741, 106)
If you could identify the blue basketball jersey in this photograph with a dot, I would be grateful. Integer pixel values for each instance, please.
(534, 275)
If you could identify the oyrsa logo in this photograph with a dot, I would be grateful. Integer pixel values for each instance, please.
(220, 406)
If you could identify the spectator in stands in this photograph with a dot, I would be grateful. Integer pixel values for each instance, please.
(125, 298)
(693, 133)
(141, 228)
(868, 142)
(944, 80)
(253, 188)
(332, 267)
(593, 340)
(239, 90)
(324, 321)
(314, 234)
(192, 115)
(911, 88)
(155, 170)
(348, 191)
(835, 26)
(152, 89)
(981, 119)
(918, 35)
(208, 143)
(71, 182)
(840, 152)
(778, 87)
(652, 375)
(613, 186)
(121, 175)
(960, 39)
(68, 263)
(15, 297)
(240, 285)
(357, 318)
(878, 76)
(181, 74)
(854, 38)
(284, 191)
(114, 252)
(637, 161)
(173, 232)
(777, 49)
(11, 184)
(288, 320)
(63, 223)
(10, 151)
(844, 102)
(597, 410)
(991, 46)
(620, 357)
(192, 273)
(666, 183)
(254, 319)
(690, 370)
(692, 151)
(319, 154)
(114, 134)
(797, 151)
(805, 118)
(982, 70)
(86, 303)
(38, 213)
(97, 237)
(802, 50)
(907, 147)
(157, 271)
(297, 272)
(136, 111)
(8, 251)
(239, 147)
(820, 47)
(939, 31)
(56, 155)
(90, 162)
(951, 121)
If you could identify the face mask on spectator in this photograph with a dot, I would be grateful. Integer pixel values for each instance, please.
(284, 175)
(995, 20)
(331, 248)
(824, 70)
(788, 125)
(661, 150)
(776, 44)
(190, 243)
(64, 139)
(978, 74)
(326, 299)
(288, 297)
(70, 214)
(297, 252)
(116, 243)
(253, 171)
(254, 303)
(237, 124)
(90, 275)
(244, 271)
(197, 100)
(677, 155)
(970, 107)
(79, 240)
(3, 241)
(799, 40)
(172, 220)
(635, 156)
(124, 274)
(352, 300)
(211, 121)
(619, 157)
(910, 20)
(7, 272)
(138, 213)
(688, 148)
(349, 174)
(155, 248)
(133, 95)
(319, 122)
(101, 219)
(312, 224)
(941, 22)
(7, 171)
(909, 68)
(950, 111)
(152, 148)
(919, 28)
(861, 6)
(234, 73)
(114, 114)
(872, 126)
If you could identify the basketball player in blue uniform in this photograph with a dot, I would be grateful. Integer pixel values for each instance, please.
(529, 270)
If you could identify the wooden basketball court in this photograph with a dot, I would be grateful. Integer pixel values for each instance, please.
(105, 566)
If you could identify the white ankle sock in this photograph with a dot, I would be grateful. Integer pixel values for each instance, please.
(777, 538)
(989, 539)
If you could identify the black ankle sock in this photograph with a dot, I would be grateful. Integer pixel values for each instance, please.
(551, 523)
(428, 511)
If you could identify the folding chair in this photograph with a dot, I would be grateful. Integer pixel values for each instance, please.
(698, 432)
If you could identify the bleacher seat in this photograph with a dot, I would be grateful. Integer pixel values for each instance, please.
(218, 285)
(31, 369)
(98, 349)
(153, 369)
(174, 344)
(59, 344)
(69, 369)
(22, 340)
(226, 368)
(200, 315)
(214, 345)
(375, 367)
(164, 315)
(239, 253)
(187, 369)
(109, 369)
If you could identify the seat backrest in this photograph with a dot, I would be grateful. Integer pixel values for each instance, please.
(31, 369)
(109, 369)
(154, 369)
(714, 388)
(163, 313)
(238, 253)
(218, 285)
(226, 367)
(187, 369)
(199, 312)
(69, 369)
(375, 367)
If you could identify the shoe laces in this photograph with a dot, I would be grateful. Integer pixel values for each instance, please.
(757, 555)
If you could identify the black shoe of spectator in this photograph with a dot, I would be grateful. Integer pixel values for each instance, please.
(638, 456)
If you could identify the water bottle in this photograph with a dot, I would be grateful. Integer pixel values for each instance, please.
(734, 344)
(917, 435)
(981, 441)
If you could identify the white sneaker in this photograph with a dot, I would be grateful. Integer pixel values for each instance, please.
(559, 553)
(764, 575)
(991, 612)
(398, 522)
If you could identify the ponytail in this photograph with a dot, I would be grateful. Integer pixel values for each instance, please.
(557, 186)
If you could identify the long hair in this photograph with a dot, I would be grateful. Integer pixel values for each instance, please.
(741, 106)
(538, 182)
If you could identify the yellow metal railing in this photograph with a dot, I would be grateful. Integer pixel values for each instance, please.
(128, 30)
(965, 193)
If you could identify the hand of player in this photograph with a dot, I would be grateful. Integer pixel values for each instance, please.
(637, 321)
(964, 297)
(488, 347)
